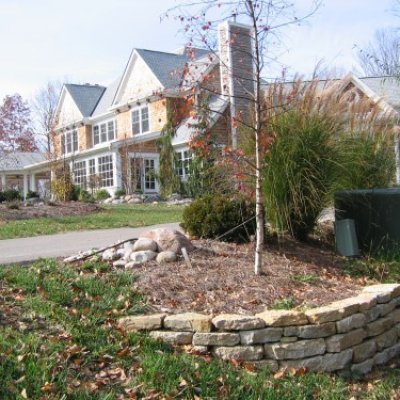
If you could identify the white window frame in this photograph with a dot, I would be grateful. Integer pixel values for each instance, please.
(109, 174)
(147, 156)
(103, 131)
(67, 140)
(80, 170)
(182, 167)
(141, 121)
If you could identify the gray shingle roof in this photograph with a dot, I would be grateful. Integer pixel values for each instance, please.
(19, 160)
(107, 98)
(387, 87)
(86, 97)
(168, 67)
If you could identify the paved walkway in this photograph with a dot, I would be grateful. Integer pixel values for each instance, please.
(66, 244)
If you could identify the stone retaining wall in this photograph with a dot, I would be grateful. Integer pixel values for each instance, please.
(356, 333)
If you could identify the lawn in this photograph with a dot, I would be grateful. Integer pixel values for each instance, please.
(109, 217)
(59, 340)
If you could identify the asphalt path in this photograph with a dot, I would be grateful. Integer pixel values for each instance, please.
(23, 250)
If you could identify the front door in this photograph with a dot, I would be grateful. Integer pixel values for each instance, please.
(143, 174)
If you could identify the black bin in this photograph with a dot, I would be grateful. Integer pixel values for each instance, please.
(376, 214)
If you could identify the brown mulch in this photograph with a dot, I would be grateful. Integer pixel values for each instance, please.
(222, 280)
(38, 211)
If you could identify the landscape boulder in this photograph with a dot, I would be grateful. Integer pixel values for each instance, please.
(166, 257)
(140, 257)
(169, 240)
(143, 244)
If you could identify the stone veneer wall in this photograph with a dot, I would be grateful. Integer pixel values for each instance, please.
(356, 333)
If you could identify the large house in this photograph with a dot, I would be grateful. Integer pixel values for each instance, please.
(106, 137)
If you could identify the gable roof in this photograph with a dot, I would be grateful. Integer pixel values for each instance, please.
(167, 67)
(86, 97)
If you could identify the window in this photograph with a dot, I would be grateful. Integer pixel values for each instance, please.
(184, 160)
(140, 120)
(105, 166)
(96, 135)
(80, 173)
(149, 177)
(110, 130)
(69, 142)
(104, 132)
(92, 167)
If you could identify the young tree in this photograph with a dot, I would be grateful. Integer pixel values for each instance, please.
(265, 18)
(16, 131)
(44, 107)
(382, 55)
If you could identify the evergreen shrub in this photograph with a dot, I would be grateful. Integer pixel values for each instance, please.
(102, 194)
(212, 216)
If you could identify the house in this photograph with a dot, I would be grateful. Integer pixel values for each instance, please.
(107, 136)
(23, 171)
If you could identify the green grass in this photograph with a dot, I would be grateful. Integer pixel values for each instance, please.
(305, 278)
(383, 267)
(110, 217)
(76, 352)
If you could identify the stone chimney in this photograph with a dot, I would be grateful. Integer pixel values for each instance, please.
(237, 71)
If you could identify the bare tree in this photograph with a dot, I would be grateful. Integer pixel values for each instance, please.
(44, 107)
(382, 55)
(262, 20)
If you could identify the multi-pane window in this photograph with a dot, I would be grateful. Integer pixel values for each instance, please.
(69, 142)
(184, 160)
(104, 132)
(96, 135)
(80, 173)
(105, 167)
(140, 120)
(92, 167)
(149, 176)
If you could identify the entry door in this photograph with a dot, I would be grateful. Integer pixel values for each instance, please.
(143, 174)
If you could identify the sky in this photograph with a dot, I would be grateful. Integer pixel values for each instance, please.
(89, 41)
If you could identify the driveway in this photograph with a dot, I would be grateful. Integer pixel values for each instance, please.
(66, 244)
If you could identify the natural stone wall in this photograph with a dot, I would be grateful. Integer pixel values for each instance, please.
(356, 333)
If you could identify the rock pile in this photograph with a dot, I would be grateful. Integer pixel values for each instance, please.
(162, 245)
(149, 198)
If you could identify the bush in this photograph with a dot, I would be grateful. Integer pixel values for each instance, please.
(32, 195)
(102, 194)
(321, 139)
(85, 196)
(299, 173)
(119, 193)
(63, 189)
(12, 195)
(2, 197)
(212, 216)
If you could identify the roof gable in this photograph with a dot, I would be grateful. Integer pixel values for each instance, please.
(86, 97)
(67, 111)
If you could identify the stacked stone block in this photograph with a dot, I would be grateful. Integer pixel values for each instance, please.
(355, 333)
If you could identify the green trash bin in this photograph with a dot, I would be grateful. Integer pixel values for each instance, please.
(346, 238)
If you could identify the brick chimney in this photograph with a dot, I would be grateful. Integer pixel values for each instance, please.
(237, 71)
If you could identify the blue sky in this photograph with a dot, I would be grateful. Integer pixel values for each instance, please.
(91, 40)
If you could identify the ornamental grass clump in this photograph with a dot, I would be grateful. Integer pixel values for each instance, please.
(325, 137)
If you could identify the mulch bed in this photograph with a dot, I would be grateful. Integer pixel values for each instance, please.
(222, 280)
(38, 211)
